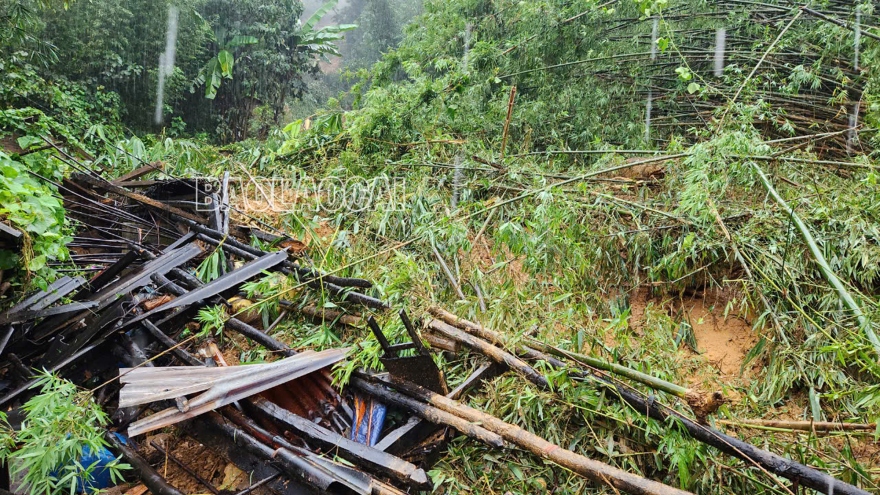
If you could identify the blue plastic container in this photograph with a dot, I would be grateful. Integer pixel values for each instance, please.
(368, 421)
(100, 476)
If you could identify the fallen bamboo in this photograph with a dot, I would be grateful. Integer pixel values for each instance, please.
(492, 352)
(479, 331)
(765, 460)
(617, 369)
(507, 120)
(826, 270)
(449, 276)
(599, 472)
(822, 426)
(430, 413)
(472, 328)
(331, 315)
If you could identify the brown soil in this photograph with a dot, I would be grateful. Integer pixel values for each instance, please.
(214, 469)
(638, 303)
(481, 256)
(10, 145)
(724, 342)
(325, 232)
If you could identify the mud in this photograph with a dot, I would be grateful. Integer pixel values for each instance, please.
(723, 341)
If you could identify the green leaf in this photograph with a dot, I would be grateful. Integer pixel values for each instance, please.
(662, 44)
(693, 88)
(37, 263)
(25, 142)
(684, 73)
(241, 40)
(226, 61)
(815, 408)
(318, 15)
(8, 259)
(213, 78)
(9, 170)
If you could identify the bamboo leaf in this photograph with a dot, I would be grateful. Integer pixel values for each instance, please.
(826, 270)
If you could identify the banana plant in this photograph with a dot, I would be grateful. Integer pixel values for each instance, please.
(322, 41)
(220, 66)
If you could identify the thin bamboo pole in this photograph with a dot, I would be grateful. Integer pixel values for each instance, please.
(800, 425)
(449, 276)
(764, 57)
(507, 120)
(496, 338)
(635, 375)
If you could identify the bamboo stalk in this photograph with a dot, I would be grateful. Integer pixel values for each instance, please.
(494, 353)
(829, 274)
(483, 228)
(496, 338)
(507, 120)
(448, 273)
(617, 369)
(800, 425)
(472, 328)
(599, 472)
(761, 61)
(331, 315)
(430, 413)
(766, 461)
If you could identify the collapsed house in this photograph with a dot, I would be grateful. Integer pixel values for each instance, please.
(282, 422)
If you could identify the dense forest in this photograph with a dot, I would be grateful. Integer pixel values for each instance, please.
(681, 195)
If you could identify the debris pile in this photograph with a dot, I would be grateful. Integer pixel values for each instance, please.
(283, 422)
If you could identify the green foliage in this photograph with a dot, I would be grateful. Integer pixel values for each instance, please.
(35, 111)
(211, 268)
(212, 320)
(33, 104)
(220, 66)
(61, 422)
(322, 41)
(32, 206)
(116, 45)
(324, 129)
(21, 26)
